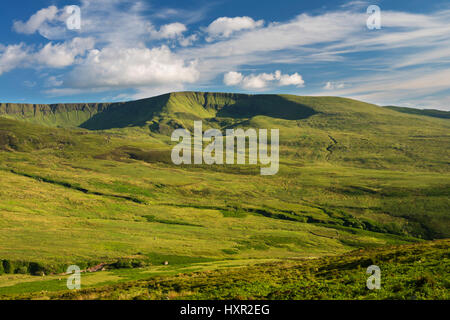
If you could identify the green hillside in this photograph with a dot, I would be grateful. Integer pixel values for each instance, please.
(94, 183)
(425, 112)
(312, 128)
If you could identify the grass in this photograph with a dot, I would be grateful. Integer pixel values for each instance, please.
(352, 175)
(425, 112)
(411, 272)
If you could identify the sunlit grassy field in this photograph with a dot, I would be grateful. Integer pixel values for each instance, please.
(411, 272)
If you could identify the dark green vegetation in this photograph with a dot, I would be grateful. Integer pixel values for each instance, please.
(93, 183)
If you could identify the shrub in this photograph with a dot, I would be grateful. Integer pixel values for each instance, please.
(21, 270)
(37, 269)
(138, 264)
(123, 264)
(425, 280)
(8, 266)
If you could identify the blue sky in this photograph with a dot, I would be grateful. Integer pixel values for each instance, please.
(128, 50)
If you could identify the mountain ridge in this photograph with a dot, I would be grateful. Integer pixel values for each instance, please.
(174, 109)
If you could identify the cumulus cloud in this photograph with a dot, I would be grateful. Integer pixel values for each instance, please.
(63, 54)
(257, 82)
(170, 31)
(12, 56)
(262, 80)
(113, 54)
(174, 31)
(233, 78)
(225, 27)
(188, 41)
(290, 80)
(53, 55)
(132, 67)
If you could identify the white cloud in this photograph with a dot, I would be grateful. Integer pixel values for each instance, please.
(53, 55)
(48, 22)
(257, 82)
(174, 31)
(326, 37)
(63, 54)
(334, 85)
(225, 27)
(119, 23)
(290, 80)
(36, 21)
(132, 67)
(170, 31)
(296, 34)
(152, 91)
(414, 87)
(53, 81)
(12, 56)
(59, 92)
(233, 78)
(109, 21)
(195, 15)
(119, 30)
(262, 80)
(413, 47)
(356, 4)
(188, 41)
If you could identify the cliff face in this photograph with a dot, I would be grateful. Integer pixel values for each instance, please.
(62, 115)
(46, 109)
(180, 105)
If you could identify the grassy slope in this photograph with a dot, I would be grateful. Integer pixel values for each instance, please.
(352, 175)
(418, 271)
(424, 112)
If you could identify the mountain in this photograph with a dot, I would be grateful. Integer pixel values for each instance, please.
(187, 106)
(312, 128)
(174, 107)
(93, 184)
